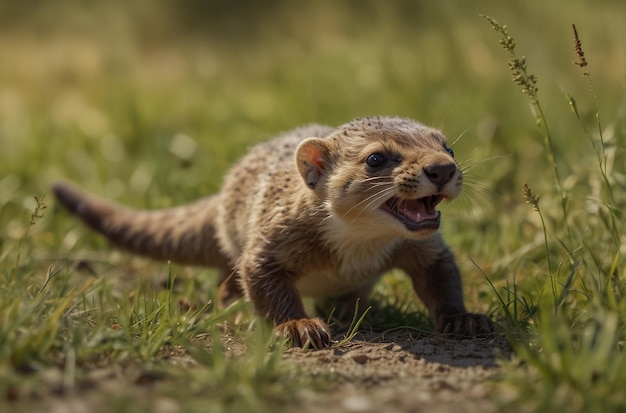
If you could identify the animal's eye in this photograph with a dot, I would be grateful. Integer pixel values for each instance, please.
(449, 150)
(376, 160)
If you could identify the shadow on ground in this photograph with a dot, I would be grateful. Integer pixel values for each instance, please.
(403, 373)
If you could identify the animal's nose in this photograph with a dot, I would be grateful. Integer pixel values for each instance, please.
(440, 174)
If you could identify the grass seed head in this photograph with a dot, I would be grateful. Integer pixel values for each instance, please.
(530, 197)
(517, 65)
(581, 62)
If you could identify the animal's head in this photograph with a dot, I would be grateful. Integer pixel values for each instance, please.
(382, 175)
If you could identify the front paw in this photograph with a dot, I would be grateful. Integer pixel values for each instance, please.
(465, 324)
(305, 330)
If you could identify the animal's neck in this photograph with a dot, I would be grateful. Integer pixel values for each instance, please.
(355, 247)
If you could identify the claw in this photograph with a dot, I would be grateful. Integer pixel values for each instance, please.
(305, 330)
(465, 324)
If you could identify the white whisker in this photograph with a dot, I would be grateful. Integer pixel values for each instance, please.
(459, 137)
(469, 164)
(375, 195)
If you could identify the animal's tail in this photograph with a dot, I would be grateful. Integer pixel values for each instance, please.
(184, 234)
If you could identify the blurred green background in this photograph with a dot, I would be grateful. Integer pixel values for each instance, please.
(149, 102)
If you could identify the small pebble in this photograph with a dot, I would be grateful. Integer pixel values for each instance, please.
(356, 404)
(360, 358)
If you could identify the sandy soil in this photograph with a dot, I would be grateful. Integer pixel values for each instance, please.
(404, 374)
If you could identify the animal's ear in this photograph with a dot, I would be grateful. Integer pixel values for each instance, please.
(312, 159)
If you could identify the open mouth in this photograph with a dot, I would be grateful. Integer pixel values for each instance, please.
(415, 214)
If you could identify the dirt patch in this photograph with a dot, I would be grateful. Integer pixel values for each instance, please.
(403, 374)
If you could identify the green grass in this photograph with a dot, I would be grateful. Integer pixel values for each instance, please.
(105, 98)
(573, 345)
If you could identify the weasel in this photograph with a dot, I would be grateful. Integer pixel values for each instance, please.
(317, 211)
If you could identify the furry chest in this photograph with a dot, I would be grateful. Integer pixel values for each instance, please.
(355, 264)
(342, 279)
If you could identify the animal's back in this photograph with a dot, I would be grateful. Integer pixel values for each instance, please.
(258, 187)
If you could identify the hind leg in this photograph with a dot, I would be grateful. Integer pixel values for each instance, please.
(346, 305)
(229, 288)
(342, 308)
